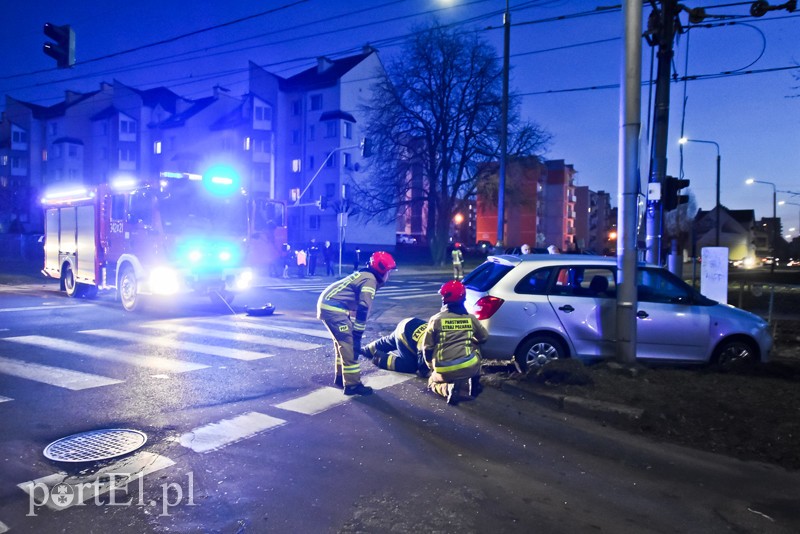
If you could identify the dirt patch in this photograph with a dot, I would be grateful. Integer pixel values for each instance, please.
(750, 412)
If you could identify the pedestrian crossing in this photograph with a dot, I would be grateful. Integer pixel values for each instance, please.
(391, 291)
(228, 338)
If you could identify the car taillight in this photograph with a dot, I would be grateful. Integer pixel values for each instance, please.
(487, 306)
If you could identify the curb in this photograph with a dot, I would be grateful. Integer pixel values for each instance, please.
(575, 405)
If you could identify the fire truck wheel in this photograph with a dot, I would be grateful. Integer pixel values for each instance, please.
(129, 289)
(73, 288)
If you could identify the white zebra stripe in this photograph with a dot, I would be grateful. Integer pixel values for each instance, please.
(55, 376)
(102, 353)
(5, 399)
(235, 336)
(214, 436)
(270, 325)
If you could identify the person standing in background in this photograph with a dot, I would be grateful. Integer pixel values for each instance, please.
(313, 252)
(327, 257)
(458, 260)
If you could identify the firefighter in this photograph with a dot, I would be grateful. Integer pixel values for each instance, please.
(458, 260)
(450, 346)
(344, 307)
(400, 350)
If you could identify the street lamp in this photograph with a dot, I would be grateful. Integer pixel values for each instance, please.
(751, 181)
(782, 202)
(501, 192)
(683, 141)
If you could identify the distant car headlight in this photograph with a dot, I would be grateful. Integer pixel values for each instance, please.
(163, 281)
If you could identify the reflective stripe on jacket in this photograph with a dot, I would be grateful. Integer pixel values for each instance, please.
(451, 341)
(353, 295)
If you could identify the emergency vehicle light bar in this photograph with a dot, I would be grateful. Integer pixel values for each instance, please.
(67, 195)
(124, 183)
(189, 175)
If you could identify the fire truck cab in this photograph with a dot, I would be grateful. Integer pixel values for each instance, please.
(175, 234)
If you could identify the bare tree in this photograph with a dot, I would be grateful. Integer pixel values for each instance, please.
(434, 122)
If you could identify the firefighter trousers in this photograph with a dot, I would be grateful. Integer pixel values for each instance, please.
(341, 329)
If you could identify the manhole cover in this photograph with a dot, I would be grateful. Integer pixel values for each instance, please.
(95, 445)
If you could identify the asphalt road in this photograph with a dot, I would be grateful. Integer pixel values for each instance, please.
(244, 434)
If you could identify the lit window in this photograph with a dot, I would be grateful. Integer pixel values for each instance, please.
(157, 147)
(296, 165)
(247, 141)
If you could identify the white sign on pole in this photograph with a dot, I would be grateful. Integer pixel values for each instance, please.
(714, 273)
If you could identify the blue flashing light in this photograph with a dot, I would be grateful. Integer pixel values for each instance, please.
(221, 180)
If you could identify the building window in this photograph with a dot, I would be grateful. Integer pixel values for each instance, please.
(297, 165)
(4, 160)
(311, 131)
(295, 137)
(348, 130)
(44, 156)
(330, 190)
(314, 222)
(263, 113)
(127, 126)
(295, 107)
(246, 143)
(311, 162)
(53, 128)
(330, 129)
(331, 160)
(348, 160)
(19, 136)
(72, 151)
(316, 102)
(157, 147)
(126, 154)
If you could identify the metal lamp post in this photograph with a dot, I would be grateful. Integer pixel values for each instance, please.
(774, 217)
(685, 140)
(501, 186)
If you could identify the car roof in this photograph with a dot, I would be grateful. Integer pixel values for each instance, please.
(557, 259)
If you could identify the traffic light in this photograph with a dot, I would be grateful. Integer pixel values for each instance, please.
(366, 147)
(63, 49)
(671, 199)
(322, 203)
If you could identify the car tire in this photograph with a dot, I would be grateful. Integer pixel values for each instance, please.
(538, 350)
(129, 289)
(735, 352)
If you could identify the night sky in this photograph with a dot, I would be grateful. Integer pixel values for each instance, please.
(567, 71)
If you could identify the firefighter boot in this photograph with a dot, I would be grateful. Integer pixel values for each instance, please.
(475, 386)
(358, 389)
(452, 394)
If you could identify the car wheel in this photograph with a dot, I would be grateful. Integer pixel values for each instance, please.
(129, 289)
(73, 288)
(539, 349)
(734, 352)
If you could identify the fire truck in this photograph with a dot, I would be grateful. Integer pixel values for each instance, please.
(172, 234)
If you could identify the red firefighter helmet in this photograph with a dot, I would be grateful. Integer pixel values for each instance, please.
(453, 291)
(382, 262)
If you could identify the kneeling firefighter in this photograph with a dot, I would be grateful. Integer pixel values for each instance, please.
(451, 346)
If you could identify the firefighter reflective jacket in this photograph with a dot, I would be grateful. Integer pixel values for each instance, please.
(450, 346)
(406, 339)
(352, 295)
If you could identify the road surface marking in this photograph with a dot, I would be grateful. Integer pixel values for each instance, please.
(217, 435)
(5, 399)
(3, 527)
(171, 343)
(85, 488)
(43, 308)
(55, 376)
(315, 402)
(412, 296)
(101, 353)
(270, 325)
(322, 399)
(235, 336)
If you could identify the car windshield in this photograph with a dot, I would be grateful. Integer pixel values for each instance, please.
(186, 207)
(486, 275)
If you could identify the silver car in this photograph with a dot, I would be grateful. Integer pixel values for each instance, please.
(543, 307)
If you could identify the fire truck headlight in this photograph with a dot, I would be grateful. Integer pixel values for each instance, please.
(225, 255)
(244, 280)
(195, 256)
(163, 281)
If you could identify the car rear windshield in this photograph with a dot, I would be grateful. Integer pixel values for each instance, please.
(486, 275)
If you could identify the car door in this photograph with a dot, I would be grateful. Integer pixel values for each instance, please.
(588, 315)
(668, 325)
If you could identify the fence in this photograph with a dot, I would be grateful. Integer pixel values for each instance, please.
(777, 303)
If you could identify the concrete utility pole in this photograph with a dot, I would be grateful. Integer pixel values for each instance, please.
(658, 147)
(501, 185)
(628, 180)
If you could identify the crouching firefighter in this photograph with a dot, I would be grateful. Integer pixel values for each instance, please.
(451, 346)
(344, 307)
(400, 351)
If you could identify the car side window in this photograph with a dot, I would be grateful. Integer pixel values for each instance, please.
(656, 286)
(534, 283)
(580, 281)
